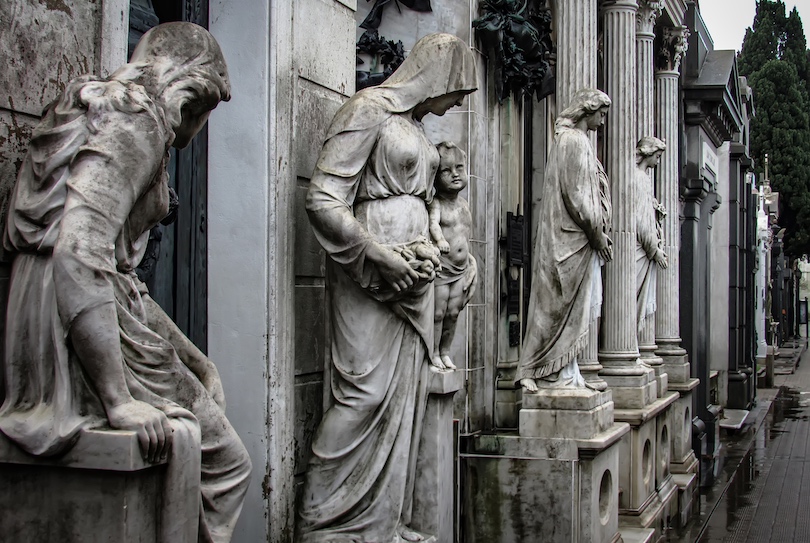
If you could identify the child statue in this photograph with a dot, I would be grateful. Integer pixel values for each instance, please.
(450, 229)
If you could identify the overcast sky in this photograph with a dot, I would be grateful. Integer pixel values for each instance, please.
(728, 19)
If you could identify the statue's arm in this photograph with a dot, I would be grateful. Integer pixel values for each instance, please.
(435, 221)
(102, 190)
(330, 202)
(579, 186)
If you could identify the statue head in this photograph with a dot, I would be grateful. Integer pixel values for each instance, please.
(585, 103)
(182, 68)
(649, 146)
(435, 76)
(451, 177)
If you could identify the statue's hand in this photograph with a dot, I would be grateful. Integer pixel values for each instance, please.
(392, 267)
(661, 259)
(443, 246)
(605, 249)
(150, 424)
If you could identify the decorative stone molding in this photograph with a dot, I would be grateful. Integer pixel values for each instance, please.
(674, 44)
(648, 13)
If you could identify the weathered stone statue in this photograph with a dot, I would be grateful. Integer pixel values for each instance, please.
(648, 215)
(85, 344)
(572, 244)
(368, 206)
(450, 229)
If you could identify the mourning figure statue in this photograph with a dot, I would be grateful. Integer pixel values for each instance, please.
(85, 344)
(649, 242)
(368, 205)
(572, 244)
(450, 229)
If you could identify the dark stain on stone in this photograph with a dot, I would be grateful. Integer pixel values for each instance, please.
(57, 5)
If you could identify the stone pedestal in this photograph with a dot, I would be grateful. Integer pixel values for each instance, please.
(554, 490)
(435, 485)
(577, 413)
(100, 490)
(648, 491)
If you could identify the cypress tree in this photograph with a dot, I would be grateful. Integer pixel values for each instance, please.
(774, 57)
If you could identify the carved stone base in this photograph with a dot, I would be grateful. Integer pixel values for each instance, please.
(633, 387)
(578, 413)
(555, 490)
(676, 364)
(101, 490)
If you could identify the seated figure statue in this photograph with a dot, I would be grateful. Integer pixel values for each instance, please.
(85, 344)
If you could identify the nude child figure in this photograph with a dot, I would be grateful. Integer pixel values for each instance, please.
(450, 229)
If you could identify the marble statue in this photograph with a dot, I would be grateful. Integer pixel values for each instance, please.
(572, 244)
(85, 344)
(367, 203)
(648, 214)
(450, 229)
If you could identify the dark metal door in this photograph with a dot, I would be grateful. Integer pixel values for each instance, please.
(175, 268)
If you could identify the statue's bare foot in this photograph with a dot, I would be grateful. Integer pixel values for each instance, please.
(437, 363)
(529, 385)
(447, 362)
(410, 535)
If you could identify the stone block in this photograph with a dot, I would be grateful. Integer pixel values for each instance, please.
(45, 45)
(565, 413)
(435, 485)
(681, 428)
(100, 490)
(637, 471)
(677, 368)
(309, 259)
(663, 450)
(315, 107)
(540, 489)
(687, 486)
(634, 387)
(326, 56)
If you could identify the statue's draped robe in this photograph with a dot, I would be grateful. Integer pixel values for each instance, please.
(565, 269)
(648, 241)
(79, 219)
(373, 181)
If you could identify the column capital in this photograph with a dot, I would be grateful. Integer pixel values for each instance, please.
(674, 45)
(648, 12)
(619, 5)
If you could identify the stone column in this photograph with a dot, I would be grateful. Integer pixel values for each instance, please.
(576, 69)
(667, 315)
(575, 24)
(633, 384)
(648, 12)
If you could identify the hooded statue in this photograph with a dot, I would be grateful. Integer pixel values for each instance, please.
(367, 203)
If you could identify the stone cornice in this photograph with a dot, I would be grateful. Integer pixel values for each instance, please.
(674, 44)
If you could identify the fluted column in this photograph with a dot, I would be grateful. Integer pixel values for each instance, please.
(667, 315)
(575, 23)
(576, 69)
(619, 346)
(648, 12)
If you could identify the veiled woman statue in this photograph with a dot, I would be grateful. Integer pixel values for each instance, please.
(649, 251)
(368, 206)
(572, 244)
(85, 344)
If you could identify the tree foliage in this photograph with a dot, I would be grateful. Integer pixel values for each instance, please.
(775, 59)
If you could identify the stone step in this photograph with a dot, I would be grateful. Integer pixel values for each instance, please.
(637, 535)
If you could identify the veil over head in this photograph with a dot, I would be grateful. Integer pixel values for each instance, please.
(438, 64)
